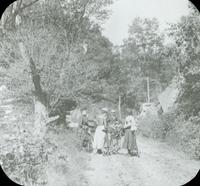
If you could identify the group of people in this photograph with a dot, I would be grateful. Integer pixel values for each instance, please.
(107, 134)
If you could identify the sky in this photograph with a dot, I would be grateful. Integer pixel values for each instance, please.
(124, 11)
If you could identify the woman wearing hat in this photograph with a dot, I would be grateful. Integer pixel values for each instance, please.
(99, 136)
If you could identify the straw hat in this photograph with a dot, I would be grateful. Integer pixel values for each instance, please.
(104, 109)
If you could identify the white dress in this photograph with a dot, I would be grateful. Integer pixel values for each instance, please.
(99, 136)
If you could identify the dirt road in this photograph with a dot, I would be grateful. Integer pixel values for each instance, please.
(158, 165)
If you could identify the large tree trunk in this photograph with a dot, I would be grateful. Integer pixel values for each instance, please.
(40, 100)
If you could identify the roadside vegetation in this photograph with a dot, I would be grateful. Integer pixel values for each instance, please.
(51, 51)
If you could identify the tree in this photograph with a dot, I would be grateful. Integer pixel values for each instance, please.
(142, 56)
(47, 44)
(186, 36)
(11, 17)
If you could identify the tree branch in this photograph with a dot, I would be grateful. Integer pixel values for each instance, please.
(19, 5)
(28, 5)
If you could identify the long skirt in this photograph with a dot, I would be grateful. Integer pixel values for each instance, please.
(130, 140)
(99, 138)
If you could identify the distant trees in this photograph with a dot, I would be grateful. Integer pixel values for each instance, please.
(144, 54)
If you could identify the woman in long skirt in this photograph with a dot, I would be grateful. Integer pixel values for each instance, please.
(99, 136)
(130, 135)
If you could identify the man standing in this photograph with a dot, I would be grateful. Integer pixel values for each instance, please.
(84, 118)
(113, 116)
(84, 128)
(115, 132)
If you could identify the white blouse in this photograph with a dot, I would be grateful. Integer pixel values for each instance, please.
(130, 121)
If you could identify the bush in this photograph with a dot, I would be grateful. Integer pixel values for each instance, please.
(188, 99)
(185, 135)
(55, 159)
(151, 126)
(174, 129)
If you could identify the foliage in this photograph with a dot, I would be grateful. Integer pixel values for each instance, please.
(184, 134)
(151, 126)
(69, 57)
(64, 50)
(66, 47)
(186, 34)
(30, 161)
(173, 129)
(144, 54)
